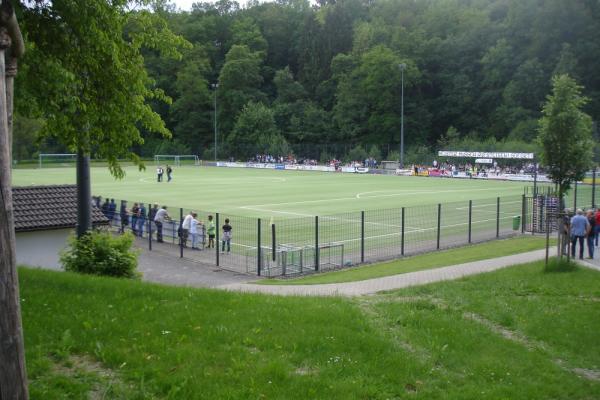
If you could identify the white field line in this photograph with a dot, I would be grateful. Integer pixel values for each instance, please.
(488, 205)
(360, 195)
(260, 207)
(414, 230)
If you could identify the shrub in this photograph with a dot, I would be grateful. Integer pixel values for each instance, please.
(101, 253)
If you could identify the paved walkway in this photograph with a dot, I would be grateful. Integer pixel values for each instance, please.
(159, 267)
(392, 282)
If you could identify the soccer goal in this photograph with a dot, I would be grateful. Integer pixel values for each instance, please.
(57, 160)
(176, 159)
(295, 260)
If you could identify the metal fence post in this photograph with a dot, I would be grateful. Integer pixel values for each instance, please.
(217, 238)
(594, 188)
(439, 224)
(575, 197)
(362, 236)
(273, 243)
(523, 213)
(497, 217)
(180, 233)
(317, 260)
(173, 231)
(258, 247)
(149, 228)
(470, 218)
(402, 235)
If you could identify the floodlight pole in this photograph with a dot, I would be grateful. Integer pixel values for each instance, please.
(402, 67)
(215, 86)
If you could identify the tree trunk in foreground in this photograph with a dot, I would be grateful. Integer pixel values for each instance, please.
(13, 377)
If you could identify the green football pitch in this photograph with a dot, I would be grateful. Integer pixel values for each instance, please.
(274, 193)
(361, 218)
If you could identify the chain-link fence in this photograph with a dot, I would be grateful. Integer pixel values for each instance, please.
(301, 245)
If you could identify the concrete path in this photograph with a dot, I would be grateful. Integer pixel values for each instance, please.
(392, 282)
(164, 268)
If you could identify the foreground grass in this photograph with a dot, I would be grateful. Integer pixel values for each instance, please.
(476, 252)
(518, 333)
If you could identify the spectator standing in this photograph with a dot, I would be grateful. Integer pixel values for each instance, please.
(152, 213)
(169, 172)
(185, 228)
(591, 233)
(564, 229)
(105, 206)
(124, 214)
(194, 231)
(141, 221)
(226, 236)
(159, 173)
(579, 228)
(159, 219)
(112, 209)
(134, 217)
(212, 231)
(597, 232)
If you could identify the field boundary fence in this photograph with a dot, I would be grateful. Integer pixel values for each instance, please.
(288, 247)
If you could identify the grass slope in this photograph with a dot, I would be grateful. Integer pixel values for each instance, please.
(421, 262)
(518, 333)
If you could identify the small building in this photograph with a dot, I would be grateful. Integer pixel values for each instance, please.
(45, 216)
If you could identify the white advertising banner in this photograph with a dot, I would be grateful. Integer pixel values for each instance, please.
(480, 154)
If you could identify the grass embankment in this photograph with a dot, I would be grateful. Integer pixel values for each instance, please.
(476, 252)
(518, 333)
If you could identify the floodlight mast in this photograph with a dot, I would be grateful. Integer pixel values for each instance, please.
(402, 68)
(215, 86)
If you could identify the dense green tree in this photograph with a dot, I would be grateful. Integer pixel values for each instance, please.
(87, 80)
(565, 134)
(255, 132)
(239, 82)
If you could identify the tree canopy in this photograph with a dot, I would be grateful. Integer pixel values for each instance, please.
(327, 71)
(565, 134)
(84, 75)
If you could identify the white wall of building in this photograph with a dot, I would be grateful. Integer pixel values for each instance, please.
(41, 248)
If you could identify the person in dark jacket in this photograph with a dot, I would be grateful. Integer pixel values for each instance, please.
(124, 214)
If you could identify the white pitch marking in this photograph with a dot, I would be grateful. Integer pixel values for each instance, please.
(360, 195)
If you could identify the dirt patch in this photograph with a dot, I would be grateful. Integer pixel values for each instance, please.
(505, 333)
(77, 364)
(530, 344)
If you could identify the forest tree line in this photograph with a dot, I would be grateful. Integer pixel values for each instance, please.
(320, 80)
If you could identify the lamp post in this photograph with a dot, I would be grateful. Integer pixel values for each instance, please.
(402, 68)
(215, 86)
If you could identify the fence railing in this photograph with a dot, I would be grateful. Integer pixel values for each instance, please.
(301, 245)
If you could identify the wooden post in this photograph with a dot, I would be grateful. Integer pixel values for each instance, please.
(13, 376)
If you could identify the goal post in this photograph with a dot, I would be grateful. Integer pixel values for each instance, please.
(177, 159)
(64, 159)
(188, 160)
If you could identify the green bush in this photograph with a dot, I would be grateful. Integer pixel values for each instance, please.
(101, 253)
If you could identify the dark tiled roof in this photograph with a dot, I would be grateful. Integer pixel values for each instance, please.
(48, 207)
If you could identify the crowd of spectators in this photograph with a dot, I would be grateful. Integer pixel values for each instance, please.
(136, 218)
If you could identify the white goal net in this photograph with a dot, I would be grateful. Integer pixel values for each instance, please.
(176, 159)
(56, 160)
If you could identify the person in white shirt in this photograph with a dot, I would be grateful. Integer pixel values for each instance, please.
(194, 231)
(159, 219)
(185, 228)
